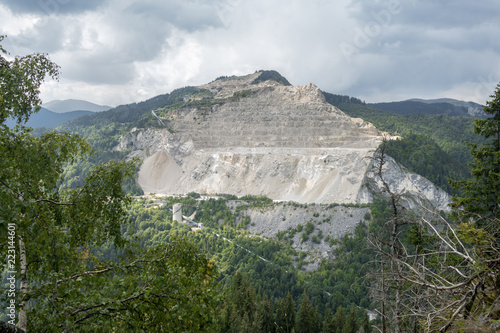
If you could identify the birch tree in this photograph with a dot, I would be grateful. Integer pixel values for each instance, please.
(52, 236)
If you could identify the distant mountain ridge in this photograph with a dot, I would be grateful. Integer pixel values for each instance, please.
(48, 119)
(446, 106)
(447, 100)
(68, 105)
(441, 106)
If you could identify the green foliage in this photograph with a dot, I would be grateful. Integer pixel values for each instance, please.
(60, 233)
(202, 104)
(227, 196)
(131, 113)
(271, 75)
(335, 282)
(285, 314)
(309, 228)
(306, 317)
(214, 212)
(341, 99)
(439, 263)
(103, 129)
(315, 239)
(419, 132)
(257, 201)
(237, 95)
(179, 293)
(481, 200)
(339, 321)
(20, 81)
(30, 171)
(423, 156)
(74, 174)
(328, 324)
(193, 195)
(351, 325)
(448, 132)
(409, 107)
(265, 316)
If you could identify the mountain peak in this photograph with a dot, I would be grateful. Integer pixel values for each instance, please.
(227, 86)
(271, 75)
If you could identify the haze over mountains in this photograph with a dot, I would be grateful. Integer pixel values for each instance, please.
(447, 100)
(446, 106)
(55, 113)
(69, 105)
(48, 119)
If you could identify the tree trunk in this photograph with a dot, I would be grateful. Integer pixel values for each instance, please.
(384, 328)
(397, 308)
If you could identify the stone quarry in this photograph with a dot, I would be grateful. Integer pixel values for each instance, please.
(266, 138)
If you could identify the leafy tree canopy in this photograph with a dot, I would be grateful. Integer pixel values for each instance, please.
(55, 234)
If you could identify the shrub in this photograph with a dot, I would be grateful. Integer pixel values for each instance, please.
(309, 228)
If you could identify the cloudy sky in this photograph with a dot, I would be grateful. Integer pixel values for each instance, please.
(121, 51)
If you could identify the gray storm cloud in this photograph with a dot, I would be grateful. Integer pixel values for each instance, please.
(374, 50)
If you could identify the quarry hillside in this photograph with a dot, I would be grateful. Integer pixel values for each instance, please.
(259, 135)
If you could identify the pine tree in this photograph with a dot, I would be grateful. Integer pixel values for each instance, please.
(243, 296)
(306, 316)
(351, 325)
(328, 323)
(285, 314)
(481, 193)
(265, 316)
(339, 319)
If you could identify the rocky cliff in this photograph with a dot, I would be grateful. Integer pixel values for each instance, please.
(245, 135)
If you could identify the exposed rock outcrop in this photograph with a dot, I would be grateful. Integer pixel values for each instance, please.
(415, 191)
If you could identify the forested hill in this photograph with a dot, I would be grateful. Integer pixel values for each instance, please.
(444, 106)
(433, 143)
(122, 114)
(410, 107)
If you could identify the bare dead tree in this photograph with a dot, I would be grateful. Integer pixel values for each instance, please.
(451, 278)
(389, 286)
(456, 282)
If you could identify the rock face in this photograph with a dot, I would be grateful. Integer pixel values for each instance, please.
(332, 222)
(257, 137)
(415, 191)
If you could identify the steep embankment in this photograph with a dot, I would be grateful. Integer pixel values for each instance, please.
(309, 228)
